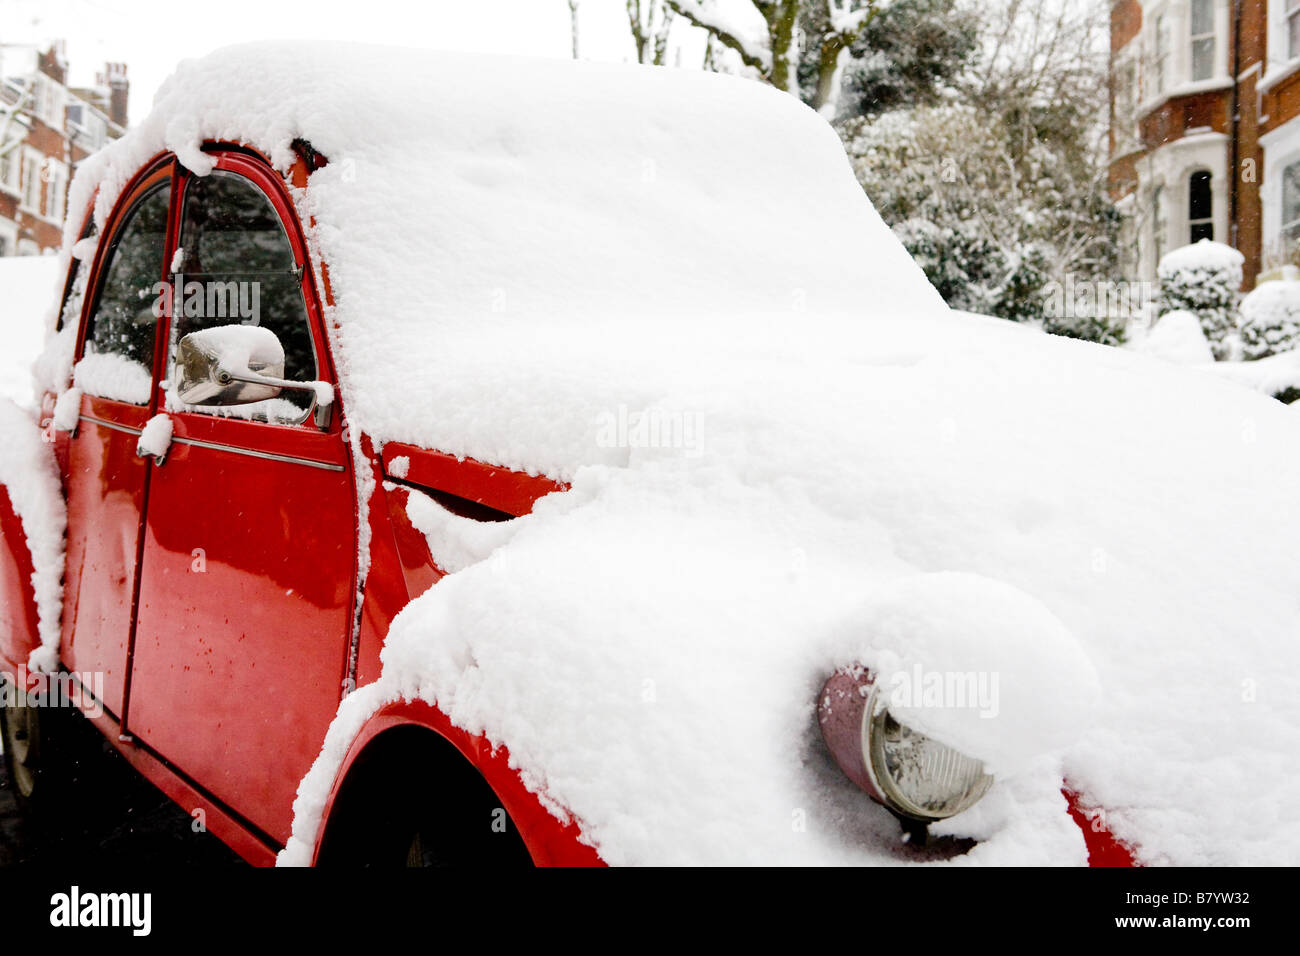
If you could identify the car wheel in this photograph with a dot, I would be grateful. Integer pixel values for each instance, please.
(20, 731)
(45, 753)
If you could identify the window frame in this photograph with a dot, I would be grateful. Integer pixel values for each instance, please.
(30, 179)
(1160, 54)
(255, 170)
(1203, 220)
(1287, 227)
(144, 183)
(1290, 22)
(1159, 223)
(1194, 38)
(234, 158)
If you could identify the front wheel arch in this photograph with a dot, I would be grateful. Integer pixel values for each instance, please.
(410, 792)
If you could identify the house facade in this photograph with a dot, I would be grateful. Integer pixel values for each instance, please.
(46, 129)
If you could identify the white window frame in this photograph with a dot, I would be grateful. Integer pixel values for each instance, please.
(1193, 223)
(1194, 38)
(32, 162)
(9, 233)
(1286, 226)
(54, 189)
(1160, 53)
(1159, 223)
(1290, 17)
(9, 180)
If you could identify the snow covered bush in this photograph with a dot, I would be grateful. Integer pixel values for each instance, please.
(1270, 319)
(998, 189)
(1178, 338)
(1203, 278)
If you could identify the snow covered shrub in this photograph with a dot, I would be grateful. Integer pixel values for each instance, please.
(991, 212)
(1270, 319)
(1178, 338)
(1203, 278)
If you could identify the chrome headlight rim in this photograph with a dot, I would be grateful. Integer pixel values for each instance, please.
(875, 733)
(855, 724)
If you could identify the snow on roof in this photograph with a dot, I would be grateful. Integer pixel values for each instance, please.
(509, 220)
(532, 258)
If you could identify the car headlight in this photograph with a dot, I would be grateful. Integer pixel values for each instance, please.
(915, 776)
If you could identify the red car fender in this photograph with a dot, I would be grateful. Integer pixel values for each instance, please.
(21, 635)
(550, 841)
(1104, 848)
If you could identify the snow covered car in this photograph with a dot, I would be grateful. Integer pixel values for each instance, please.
(565, 463)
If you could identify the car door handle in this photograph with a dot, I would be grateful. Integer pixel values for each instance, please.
(155, 439)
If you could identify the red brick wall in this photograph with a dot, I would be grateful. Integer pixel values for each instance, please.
(1125, 22)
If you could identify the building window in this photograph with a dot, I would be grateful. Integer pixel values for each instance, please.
(1203, 38)
(55, 188)
(1200, 206)
(1162, 53)
(1158, 223)
(1291, 202)
(1293, 28)
(31, 183)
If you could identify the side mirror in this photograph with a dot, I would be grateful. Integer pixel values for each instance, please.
(229, 365)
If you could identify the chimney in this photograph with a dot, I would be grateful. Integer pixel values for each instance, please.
(118, 88)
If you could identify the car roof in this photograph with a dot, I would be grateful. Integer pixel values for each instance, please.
(547, 220)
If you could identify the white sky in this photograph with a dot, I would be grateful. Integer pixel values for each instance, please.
(151, 36)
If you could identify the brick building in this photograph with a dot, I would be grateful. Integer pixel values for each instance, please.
(1205, 128)
(46, 129)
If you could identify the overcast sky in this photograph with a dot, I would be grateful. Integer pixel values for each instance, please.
(151, 36)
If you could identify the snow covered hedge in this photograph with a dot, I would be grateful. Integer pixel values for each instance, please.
(1203, 278)
(1270, 319)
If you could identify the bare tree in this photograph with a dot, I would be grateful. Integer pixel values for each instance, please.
(573, 25)
(651, 21)
(816, 32)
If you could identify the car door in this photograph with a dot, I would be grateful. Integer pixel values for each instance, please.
(249, 551)
(107, 480)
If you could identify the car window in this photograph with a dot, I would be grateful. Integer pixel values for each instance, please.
(235, 265)
(75, 288)
(117, 361)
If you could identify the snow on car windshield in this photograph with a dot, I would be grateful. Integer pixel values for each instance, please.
(785, 456)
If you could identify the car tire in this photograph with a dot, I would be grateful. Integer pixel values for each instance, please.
(44, 754)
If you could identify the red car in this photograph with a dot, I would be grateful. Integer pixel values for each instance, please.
(314, 372)
(163, 598)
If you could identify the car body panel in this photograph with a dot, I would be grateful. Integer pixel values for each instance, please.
(237, 669)
(106, 483)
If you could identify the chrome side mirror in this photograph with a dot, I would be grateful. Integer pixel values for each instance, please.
(229, 365)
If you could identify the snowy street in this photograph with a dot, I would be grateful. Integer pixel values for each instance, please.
(138, 827)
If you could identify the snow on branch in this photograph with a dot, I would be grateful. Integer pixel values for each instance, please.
(709, 15)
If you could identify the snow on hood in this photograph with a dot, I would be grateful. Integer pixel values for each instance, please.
(786, 456)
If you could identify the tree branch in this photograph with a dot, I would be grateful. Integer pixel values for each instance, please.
(695, 12)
